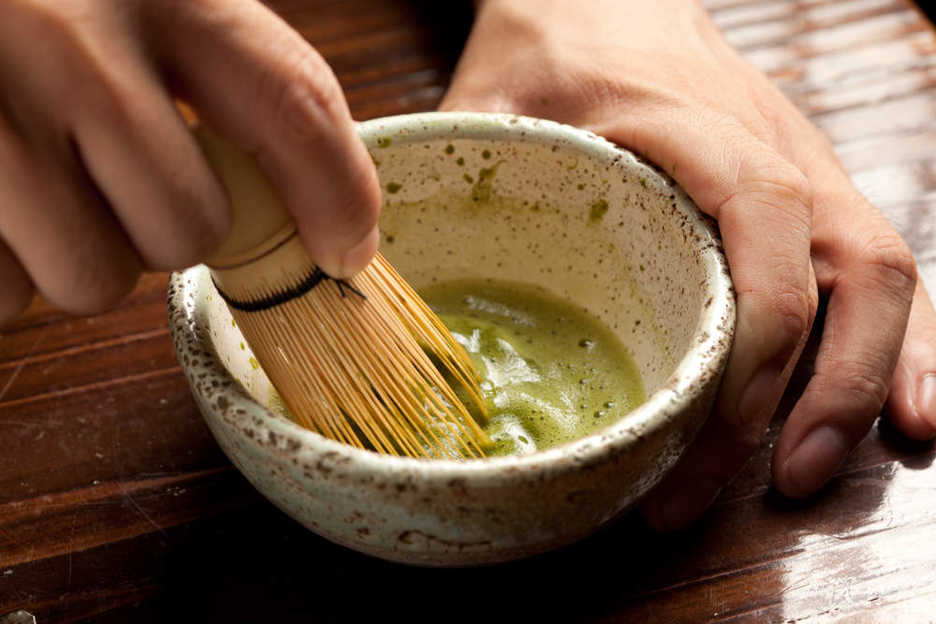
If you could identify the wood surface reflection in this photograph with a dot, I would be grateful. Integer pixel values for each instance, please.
(117, 506)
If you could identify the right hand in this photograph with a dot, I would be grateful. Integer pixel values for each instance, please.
(100, 177)
(658, 78)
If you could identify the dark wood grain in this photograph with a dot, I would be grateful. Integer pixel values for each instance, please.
(116, 505)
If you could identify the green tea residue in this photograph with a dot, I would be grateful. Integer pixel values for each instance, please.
(551, 373)
(598, 210)
(481, 192)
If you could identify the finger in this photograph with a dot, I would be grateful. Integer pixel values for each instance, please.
(863, 331)
(718, 453)
(870, 276)
(61, 231)
(141, 155)
(256, 81)
(17, 287)
(763, 207)
(911, 404)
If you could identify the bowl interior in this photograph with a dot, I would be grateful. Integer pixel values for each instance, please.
(528, 201)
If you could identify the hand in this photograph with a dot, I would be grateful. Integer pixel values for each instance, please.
(657, 78)
(100, 177)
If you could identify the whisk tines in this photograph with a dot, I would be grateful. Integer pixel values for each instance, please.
(358, 369)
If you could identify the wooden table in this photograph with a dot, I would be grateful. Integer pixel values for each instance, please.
(117, 506)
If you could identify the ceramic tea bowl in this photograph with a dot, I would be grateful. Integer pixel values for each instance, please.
(518, 199)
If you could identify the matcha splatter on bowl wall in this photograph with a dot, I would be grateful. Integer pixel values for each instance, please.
(484, 214)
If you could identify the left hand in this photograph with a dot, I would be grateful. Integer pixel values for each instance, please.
(659, 79)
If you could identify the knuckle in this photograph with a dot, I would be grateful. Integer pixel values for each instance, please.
(302, 94)
(87, 275)
(865, 386)
(188, 238)
(91, 288)
(795, 308)
(96, 88)
(776, 185)
(796, 185)
(887, 255)
(601, 89)
(72, 53)
(784, 119)
(779, 177)
(786, 186)
(785, 312)
(868, 387)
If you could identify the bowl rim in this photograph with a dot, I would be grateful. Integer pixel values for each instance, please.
(703, 362)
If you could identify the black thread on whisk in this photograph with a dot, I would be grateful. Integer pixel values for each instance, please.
(342, 284)
(265, 303)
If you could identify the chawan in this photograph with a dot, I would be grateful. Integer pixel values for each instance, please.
(493, 196)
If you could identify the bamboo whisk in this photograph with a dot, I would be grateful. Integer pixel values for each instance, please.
(347, 357)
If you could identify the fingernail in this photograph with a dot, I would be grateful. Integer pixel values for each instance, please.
(359, 256)
(759, 394)
(814, 460)
(926, 401)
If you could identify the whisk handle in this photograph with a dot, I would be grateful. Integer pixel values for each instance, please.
(259, 216)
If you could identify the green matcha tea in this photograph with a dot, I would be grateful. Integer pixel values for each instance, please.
(551, 373)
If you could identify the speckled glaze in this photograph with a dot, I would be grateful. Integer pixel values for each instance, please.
(479, 195)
